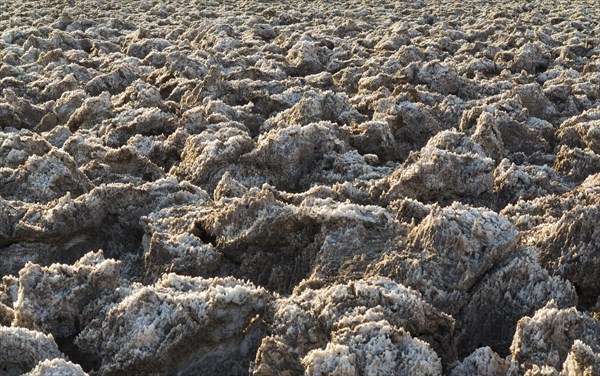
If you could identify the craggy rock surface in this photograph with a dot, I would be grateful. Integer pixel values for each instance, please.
(56, 367)
(359, 321)
(51, 299)
(21, 349)
(179, 325)
(300, 188)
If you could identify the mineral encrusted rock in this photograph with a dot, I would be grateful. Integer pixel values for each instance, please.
(21, 349)
(281, 188)
(51, 299)
(548, 336)
(449, 167)
(448, 253)
(56, 367)
(179, 325)
(512, 182)
(582, 360)
(309, 327)
(563, 229)
(106, 218)
(515, 289)
(483, 361)
(351, 350)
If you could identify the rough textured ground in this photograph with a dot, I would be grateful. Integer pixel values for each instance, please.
(288, 188)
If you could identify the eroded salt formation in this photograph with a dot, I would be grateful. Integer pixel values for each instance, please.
(354, 320)
(339, 187)
(56, 367)
(179, 325)
(21, 349)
